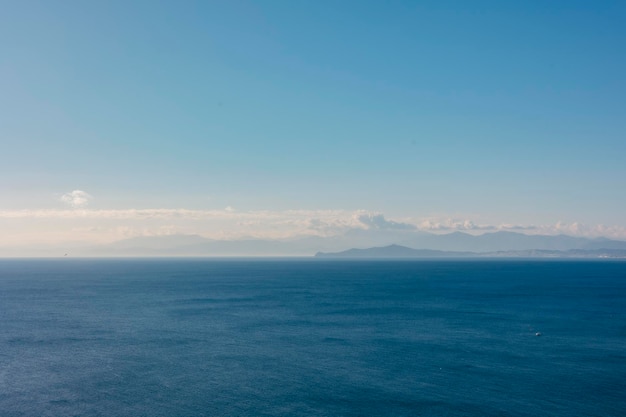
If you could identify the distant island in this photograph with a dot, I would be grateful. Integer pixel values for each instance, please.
(398, 251)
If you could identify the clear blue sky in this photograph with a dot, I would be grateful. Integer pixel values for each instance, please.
(514, 111)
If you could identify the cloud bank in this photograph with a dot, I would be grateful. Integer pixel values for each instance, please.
(79, 223)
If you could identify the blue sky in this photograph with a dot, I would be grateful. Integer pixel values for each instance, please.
(493, 111)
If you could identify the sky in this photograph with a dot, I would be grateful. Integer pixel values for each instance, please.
(274, 119)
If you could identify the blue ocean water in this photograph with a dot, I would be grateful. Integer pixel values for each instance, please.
(312, 338)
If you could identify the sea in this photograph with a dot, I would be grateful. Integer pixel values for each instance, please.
(312, 337)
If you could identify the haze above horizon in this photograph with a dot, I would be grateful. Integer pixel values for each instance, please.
(277, 119)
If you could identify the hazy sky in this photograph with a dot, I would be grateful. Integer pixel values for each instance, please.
(271, 118)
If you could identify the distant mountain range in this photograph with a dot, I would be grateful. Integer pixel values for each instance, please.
(389, 243)
(393, 251)
(508, 241)
(397, 251)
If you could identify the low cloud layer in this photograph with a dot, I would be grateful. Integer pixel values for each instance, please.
(80, 224)
(466, 225)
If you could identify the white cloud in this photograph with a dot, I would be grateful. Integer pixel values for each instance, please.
(378, 221)
(450, 224)
(76, 198)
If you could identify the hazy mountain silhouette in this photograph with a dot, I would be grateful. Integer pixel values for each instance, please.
(392, 251)
(397, 251)
(507, 241)
(457, 242)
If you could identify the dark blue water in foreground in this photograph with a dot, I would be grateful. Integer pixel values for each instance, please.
(312, 338)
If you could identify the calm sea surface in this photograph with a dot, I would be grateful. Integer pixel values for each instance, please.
(312, 338)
